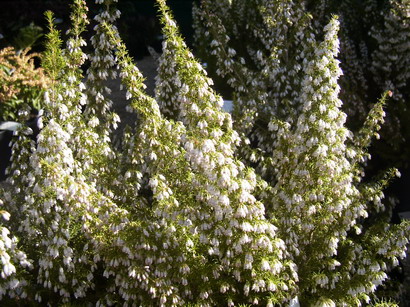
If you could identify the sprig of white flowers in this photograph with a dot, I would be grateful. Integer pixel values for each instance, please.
(176, 217)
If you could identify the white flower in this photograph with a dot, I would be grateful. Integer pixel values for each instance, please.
(5, 215)
(294, 302)
(242, 211)
(208, 146)
(246, 227)
(224, 200)
(153, 156)
(153, 183)
(8, 269)
(265, 265)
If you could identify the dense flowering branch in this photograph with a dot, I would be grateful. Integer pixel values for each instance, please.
(175, 217)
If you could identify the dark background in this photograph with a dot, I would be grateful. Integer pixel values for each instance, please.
(138, 25)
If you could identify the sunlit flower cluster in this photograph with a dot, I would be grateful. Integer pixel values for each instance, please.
(175, 215)
(315, 159)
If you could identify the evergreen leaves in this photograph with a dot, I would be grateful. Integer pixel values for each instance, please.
(177, 215)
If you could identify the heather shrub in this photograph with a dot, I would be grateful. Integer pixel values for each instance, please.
(259, 34)
(177, 214)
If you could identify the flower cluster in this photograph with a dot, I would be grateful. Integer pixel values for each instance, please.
(11, 281)
(174, 216)
(265, 84)
(374, 53)
(315, 195)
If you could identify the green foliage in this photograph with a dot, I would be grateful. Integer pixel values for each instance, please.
(27, 36)
(53, 61)
(285, 43)
(373, 55)
(178, 215)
